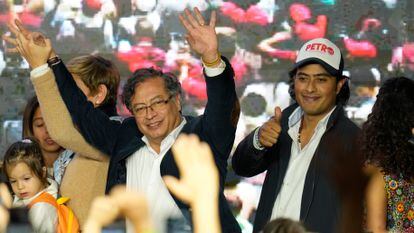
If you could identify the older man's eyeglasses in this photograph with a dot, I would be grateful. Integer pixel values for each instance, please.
(159, 105)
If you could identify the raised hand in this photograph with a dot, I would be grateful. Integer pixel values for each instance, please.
(270, 130)
(198, 184)
(120, 202)
(103, 211)
(201, 37)
(133, 206)
(5, 196)
(33, 46)
(199, 176)
(38, 38)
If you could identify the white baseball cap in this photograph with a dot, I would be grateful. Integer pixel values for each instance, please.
(320, 51)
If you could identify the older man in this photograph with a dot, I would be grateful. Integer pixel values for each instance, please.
(140, 145)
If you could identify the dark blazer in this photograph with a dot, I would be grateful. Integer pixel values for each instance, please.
(320, 206)
(120, 140)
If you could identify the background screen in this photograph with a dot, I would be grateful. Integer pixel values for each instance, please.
(260, 38)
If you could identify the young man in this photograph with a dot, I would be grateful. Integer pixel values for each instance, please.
(297, 147)
(140, 146)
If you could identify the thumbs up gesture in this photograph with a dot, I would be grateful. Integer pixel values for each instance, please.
(270, 130)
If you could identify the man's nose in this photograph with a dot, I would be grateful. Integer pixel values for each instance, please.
(310, 86)
(150, 113)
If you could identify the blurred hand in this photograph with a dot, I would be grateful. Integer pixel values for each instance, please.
(4, 219)
(198, 173)
(201, 37)
(133, 206)
(5, 196)
(103, 211)
(270, 130)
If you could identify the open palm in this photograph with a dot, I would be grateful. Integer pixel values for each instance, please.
(202, 37)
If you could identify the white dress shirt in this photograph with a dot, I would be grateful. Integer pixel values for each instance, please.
(143, 175)
(289, 199)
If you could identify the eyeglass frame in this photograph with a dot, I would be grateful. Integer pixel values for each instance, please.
(146, 107)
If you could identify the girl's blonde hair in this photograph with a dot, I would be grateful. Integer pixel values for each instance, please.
(26, 151)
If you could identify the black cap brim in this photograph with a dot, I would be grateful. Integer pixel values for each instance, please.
(313, 60)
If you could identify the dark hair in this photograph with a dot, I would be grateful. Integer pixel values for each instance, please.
(341, 98)
(386, 133)
(26, 151)
(284, 225)
(29, 111)
(95, 70)
(172, 85)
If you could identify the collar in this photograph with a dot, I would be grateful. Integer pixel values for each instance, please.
(297, 114)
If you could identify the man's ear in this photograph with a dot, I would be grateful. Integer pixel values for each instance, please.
(340, 84)
(100, 96)
(177, 101)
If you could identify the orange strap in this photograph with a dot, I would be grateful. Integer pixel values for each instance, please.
(44, 197)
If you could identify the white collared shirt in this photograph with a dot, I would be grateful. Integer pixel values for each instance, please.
(289, 199)
(143, 175)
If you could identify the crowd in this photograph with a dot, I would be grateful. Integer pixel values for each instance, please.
(324, 173)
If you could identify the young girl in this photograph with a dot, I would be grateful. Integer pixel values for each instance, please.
(26, 171)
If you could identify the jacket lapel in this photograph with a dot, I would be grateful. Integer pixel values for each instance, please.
(315, 167)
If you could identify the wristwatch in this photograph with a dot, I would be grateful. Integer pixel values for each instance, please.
(256, 141)
(53, 61)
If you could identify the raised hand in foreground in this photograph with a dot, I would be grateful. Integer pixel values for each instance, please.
(120, 202)
(199, 182)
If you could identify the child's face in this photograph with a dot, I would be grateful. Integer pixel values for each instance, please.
(24, 183)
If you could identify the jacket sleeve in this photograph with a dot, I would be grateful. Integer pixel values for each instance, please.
(222, 111)
(94, 125)
(248, 161)
(57, 118)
